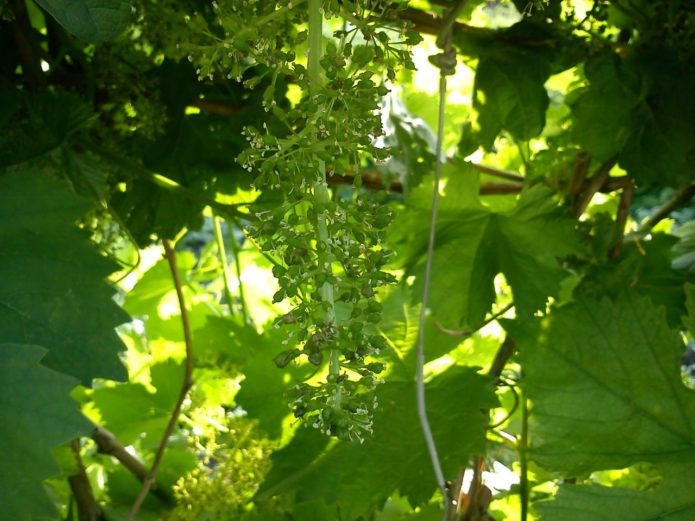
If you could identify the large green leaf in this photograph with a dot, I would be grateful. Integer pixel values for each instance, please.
(604, 380)
(395, 457)
(474, 244)
(52, 292)
(36, 415)
(93, 21)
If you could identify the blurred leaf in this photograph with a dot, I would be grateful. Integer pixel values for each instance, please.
(53, 291)
(36, 415)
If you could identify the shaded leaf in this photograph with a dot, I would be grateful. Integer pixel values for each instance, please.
(37, 123)
(52, 292)
(93, 21)
(36, 415)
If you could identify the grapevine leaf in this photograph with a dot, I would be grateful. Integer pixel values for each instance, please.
(474, 244)
(342, 473)
(93, 21)
(36, 415)
(673, 500)
(53, 291)
(604, 380)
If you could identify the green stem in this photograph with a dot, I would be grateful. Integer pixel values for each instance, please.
(237, 265)
(523, 460)
(321, 194)
(219, 240)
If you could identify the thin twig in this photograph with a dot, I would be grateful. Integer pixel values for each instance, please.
(678, 199)
(468, 332)
(185, 387)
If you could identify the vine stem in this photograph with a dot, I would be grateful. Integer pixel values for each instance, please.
(321, 194)
(234, 245)
(219, 240)
(523, 460)
(185, 387)
(420, 385)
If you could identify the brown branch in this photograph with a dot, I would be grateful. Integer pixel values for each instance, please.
(479, 496)
(185, 387)
(678, 199)
(216, 107)
(108, 444)
(427, 23)
(499, 188)
(581, 169)
(87, 507)
(371, 180)
(621, 218)
(592, 186)
(468, 332)
(497, 172)
(503, 355)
